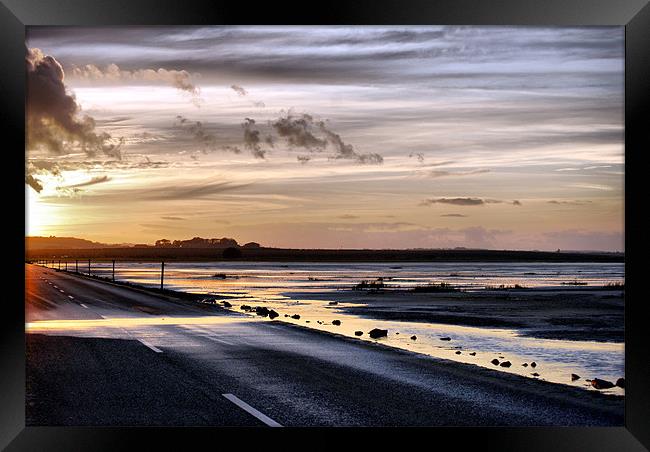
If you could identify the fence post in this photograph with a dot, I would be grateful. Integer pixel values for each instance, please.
(66, 265)
(59, 265)
(88, 267)
(76, 265)
(162, 275)
(113, 269)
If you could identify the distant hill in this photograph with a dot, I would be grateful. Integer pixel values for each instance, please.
(70, 243)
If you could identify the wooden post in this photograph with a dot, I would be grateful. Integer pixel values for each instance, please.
(88, 267)
(76, 265)
(59, 265)
(113, 269)
(66, 265)
(162, 275)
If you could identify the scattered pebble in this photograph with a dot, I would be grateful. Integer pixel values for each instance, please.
(414, 337)
(473, 354)
(358, 333)
(574, 377)
(495, 362)
(506, 364)
(295, 316)
(535, 374)
(336, 322)
(525, 364)
(533, 364)
(458, 352)
(620, 382)
(445, 338)
(601, 384)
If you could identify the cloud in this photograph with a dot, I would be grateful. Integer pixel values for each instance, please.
(193, 190)
(459, 215)
(239, 90)
(179, 79)
(454, 201)
(347, 217)
(303, 131)
(297, 132)
(195, 129)
(93, 181)
(173, 218)
(252, 139)
(53, 115)
(443, 173)
(569, 203)
(467, 201)
(34, 183)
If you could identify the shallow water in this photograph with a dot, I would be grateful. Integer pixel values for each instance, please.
(285, 287)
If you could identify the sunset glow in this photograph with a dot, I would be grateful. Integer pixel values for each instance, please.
(411, 137)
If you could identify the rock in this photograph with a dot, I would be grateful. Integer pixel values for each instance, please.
(495, 362)
(307, 321)
(445, 338)
(377, 333)
(535, 374)
(295, 316)
(262, 310)
(226, 304)
(574, 377)
(286, 315)
(458, 352)
(397, 333)
(525, 364)
(473, 354)
(358, 333)
(245, 307)
(333, 303)
(273, 314)
(533, 364)
(601, 384)
(414, 337)
(319, 322)
(506, 364)
(620, 382)
(336, 322)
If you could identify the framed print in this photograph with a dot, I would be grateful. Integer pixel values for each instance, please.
(374, 215)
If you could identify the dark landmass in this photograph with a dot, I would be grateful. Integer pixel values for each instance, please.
(243, 253)
(589, 314)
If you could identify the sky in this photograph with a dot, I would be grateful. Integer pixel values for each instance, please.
(328, 137)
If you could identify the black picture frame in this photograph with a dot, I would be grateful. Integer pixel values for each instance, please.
(15, 15)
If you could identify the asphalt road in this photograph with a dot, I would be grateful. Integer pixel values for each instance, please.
(101, 354)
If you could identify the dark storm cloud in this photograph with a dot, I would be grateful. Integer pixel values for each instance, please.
(54, 121)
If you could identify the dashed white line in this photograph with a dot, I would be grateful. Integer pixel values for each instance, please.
(83, 305)
(61, 290)
(250, 410)
(71, 297)
(145, 343)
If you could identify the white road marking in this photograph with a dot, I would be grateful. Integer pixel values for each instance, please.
(61, 290)
(56, 287)
(71, 297)
(83, 305)
(145, 343)
(249, 409)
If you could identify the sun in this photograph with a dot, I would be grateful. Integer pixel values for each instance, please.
(40, 217)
